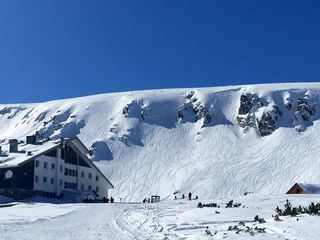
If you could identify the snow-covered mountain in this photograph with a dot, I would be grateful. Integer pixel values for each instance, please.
(211, 141)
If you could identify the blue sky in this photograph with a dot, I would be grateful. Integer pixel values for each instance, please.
(65, 48)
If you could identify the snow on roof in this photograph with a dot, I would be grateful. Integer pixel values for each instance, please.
(12, 159)
(310, 188)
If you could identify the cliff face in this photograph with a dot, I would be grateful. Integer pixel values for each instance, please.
(212, 141)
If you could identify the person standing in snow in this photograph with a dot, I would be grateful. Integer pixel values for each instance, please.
(189, 196)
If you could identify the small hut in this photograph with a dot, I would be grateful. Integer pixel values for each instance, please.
(304, 188)
(155, 198)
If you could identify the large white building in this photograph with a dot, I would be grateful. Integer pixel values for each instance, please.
(61, 169)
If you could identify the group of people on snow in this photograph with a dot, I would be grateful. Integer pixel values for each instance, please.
(185, 196)
(94, 200)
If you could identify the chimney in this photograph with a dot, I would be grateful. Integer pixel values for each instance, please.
(31, 139)
(13, 145)
(29, 153)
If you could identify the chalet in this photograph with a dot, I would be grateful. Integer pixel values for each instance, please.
(60, 169)
(304, 188)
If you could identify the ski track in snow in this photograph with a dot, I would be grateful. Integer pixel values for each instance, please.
(167, 220)
(162, 155)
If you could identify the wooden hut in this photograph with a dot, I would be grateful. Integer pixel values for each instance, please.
(304, 188)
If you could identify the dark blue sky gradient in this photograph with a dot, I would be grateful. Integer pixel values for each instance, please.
(66, 48)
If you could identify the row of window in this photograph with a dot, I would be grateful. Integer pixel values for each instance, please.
(70, 172)
(44, 180)
(68, 185)
(71, 185)
(67, 171)
(69, 156)
(45, 165)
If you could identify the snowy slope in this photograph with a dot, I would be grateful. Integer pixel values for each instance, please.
(211, 141)
(171, 220)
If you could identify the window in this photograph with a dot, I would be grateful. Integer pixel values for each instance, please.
(44, 179)
(52, 166)
(52, 180)
(97, 189)
(97, 178)
(61, 168)
(66, 171)
(45, 165)
(62, 153)
(70, 156)
(89, 187)
(65, 185)
(37, 163)
(82, 174)
(82, 187)
(90, 175)
(36, 179)
(60, 182)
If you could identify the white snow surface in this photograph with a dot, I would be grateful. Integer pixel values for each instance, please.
(170, 220)
(143, 148)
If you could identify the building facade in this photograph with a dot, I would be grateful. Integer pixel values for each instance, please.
(60, 169)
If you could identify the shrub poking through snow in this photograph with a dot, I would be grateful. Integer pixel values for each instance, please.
(211, 205)
(230, 204)
(312, 209)
(276, 218)
(242, 228)
(208, 232)
(259, 220)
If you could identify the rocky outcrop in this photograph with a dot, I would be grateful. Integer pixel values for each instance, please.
(249, 104)
(193, 111)
(304, 109)
(304, 113)
(133, 110)
(267, 124)
(253, 114)
(10, 112)
(62, 124)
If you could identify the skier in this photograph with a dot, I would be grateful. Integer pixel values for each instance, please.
(182, 196)
(189, 196)
(111, 200)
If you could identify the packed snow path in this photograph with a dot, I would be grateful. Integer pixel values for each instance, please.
(169, 220)
(87, 221)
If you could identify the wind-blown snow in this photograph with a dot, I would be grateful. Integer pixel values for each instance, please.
(164, 141)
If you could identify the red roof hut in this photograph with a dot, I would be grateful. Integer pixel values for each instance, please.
(304, 188)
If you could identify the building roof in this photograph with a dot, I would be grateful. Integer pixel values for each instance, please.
(310, 188)
(14, 159)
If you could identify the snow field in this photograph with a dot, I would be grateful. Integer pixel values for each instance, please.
(170, 220)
